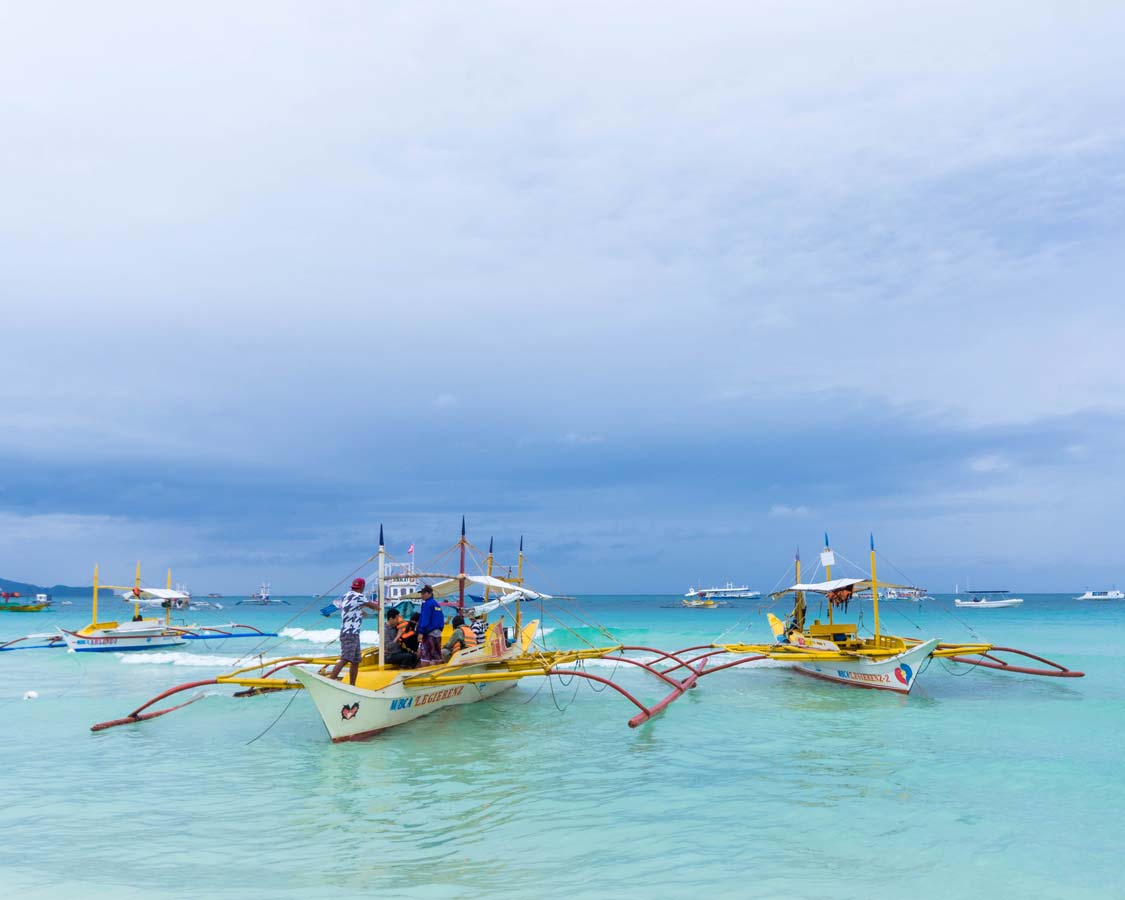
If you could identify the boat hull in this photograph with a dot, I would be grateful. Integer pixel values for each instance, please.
(894, 673)
(351, 713)
(108, 642)
(987, 604)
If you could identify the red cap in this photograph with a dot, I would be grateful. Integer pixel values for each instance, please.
(359, 584)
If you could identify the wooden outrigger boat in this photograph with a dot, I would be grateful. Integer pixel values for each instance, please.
(12, 601)
(385, 696)
(142, 633)
(835, 651)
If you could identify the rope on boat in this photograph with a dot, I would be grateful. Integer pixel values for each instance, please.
(275, 721)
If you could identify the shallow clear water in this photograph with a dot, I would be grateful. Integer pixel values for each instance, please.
(758, 783)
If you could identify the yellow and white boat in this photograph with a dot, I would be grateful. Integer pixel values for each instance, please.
(835, 651)
(141, 633)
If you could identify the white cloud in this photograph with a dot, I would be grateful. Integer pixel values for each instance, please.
(991, 462)
(781, 511)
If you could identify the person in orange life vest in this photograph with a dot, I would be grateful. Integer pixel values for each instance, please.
(461, 639)
(396, 654)
(351, 605)
(408, 636)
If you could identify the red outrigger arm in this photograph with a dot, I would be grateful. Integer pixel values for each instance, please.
(139, 714)
(696, 667)
(1055, 670)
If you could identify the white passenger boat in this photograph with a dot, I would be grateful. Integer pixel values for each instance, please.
(1112, 594)
(988, 600)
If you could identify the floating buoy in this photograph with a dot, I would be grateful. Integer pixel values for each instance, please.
(31, 695)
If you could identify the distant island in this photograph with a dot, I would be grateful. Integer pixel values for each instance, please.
(29, 590)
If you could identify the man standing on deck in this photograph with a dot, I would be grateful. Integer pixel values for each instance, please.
(351, 606)
(429, 629)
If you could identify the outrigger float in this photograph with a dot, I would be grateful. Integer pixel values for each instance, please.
(385, 696)
(138, 634)
(835, 651)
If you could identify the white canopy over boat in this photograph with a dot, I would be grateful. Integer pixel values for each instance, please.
(447, 587)
(823, 587)
(159, 594)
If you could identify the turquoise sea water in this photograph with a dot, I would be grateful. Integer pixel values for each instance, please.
(757, 783)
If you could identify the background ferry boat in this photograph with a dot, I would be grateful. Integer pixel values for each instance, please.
(1112, 594)
(730, 591)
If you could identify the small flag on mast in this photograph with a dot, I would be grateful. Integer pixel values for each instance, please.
(411, 550)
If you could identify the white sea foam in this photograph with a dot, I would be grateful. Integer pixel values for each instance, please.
(181, 658)
(326, 635)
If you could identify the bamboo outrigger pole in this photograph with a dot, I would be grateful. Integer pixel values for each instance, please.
(382, 612)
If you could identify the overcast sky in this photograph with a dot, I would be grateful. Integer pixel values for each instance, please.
(667, 288)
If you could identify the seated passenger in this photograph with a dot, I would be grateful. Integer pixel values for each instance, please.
(408, 636)
(461, 639)
(395, 654)
(479, 625)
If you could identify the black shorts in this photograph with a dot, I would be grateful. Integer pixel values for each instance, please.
(349, 646)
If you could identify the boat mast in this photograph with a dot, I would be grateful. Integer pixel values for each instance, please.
(828, 574)
(168, 608)
(519, 581)
(95, 616)
(799, 606)
(488, 570)
(874, 590)
(461, 579)
(137, 592)
(382, 612)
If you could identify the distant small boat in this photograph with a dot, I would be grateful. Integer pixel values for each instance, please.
(988, 600)
(10, 601)
(1113, 594)
(261, 598)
